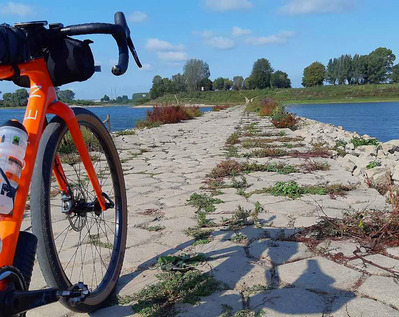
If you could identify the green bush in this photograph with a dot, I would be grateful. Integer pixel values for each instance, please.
(360, 141)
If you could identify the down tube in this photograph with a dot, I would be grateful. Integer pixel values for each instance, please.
(34, 121)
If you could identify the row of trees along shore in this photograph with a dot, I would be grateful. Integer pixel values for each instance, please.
(196, 75)
(375, 68)
(19, 98)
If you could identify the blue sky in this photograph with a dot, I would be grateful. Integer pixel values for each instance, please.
(228, 34)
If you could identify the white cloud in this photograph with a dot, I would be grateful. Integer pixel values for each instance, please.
(172, 56)
(296, 7)
(159, 45)
(17, 9)
(205, 34)
(228, 5)
(236, 31)
(221, 43)
(146, 68)
(280, 38)
(138, 16)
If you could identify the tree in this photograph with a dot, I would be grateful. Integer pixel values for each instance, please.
(238, 82)
(195, 70)
(66, 95)
(206, 84)
(7, 99)
(249, 83)
(105, 98)
(314, 75)
(179, 82)
(157, 89)
(280, 79)
(380, 62)
(395, 74)
(331, 73)
(343, 69)
(17, 99)
(218, 83)
(359, 69)
(228, 84)
(261, 73)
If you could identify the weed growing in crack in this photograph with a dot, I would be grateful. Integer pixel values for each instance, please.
(293, 190)
(233, 139)
(373, 164)
(158, 300)
(201, 236)
(312, 166)
(226, 168)
(270, 167)
(360, 141)
(154, 228)
(239, 238)
(203, 221)
(232, 151)
(240, 184)
(204, 202)
(183, 262)
(238, 220)
(266, 152)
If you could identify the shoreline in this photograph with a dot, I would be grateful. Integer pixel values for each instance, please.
(189, 105)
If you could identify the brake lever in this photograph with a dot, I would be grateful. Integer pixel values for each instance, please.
(121, 21)
(133, 50)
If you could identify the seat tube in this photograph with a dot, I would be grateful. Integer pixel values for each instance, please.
(41, 94)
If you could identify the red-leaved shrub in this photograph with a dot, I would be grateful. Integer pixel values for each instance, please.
(218, 108)
(172, 114)
(267, 107)
(287, 120)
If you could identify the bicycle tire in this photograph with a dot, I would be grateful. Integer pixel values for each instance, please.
(43, 211)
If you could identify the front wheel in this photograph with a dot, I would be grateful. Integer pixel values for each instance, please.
(83, 244)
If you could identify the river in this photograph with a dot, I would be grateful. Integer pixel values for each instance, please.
(122, 117)
(379, 120)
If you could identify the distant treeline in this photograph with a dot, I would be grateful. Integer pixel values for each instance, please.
(19, 98)
(374, 68)
(196, 75)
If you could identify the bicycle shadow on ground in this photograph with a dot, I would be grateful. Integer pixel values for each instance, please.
(230, 264)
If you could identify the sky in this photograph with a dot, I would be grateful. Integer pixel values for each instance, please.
(230, 35)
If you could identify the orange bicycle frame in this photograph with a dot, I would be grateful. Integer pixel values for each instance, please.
(42, 101)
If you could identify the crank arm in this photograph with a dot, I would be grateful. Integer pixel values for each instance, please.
(18, 302)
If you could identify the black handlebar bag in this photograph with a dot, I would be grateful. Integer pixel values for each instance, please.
(69, 60)
(14, 48)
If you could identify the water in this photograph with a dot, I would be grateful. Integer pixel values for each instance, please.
(379, 120)
(122, 117)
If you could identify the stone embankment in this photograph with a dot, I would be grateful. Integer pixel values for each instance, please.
(232, 187)
(378, 163)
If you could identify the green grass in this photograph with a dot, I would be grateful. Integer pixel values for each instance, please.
(322, 94)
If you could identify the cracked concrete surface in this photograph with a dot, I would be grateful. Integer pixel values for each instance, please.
(296, 280)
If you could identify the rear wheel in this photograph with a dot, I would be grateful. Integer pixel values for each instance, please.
(84, 243)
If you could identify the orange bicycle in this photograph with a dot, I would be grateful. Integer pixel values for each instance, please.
(71, 166)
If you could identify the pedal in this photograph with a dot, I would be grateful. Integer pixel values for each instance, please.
(75, 294)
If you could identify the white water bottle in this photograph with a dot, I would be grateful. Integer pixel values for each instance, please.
(13, 142)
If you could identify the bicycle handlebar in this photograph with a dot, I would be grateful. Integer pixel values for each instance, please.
(120, 32)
